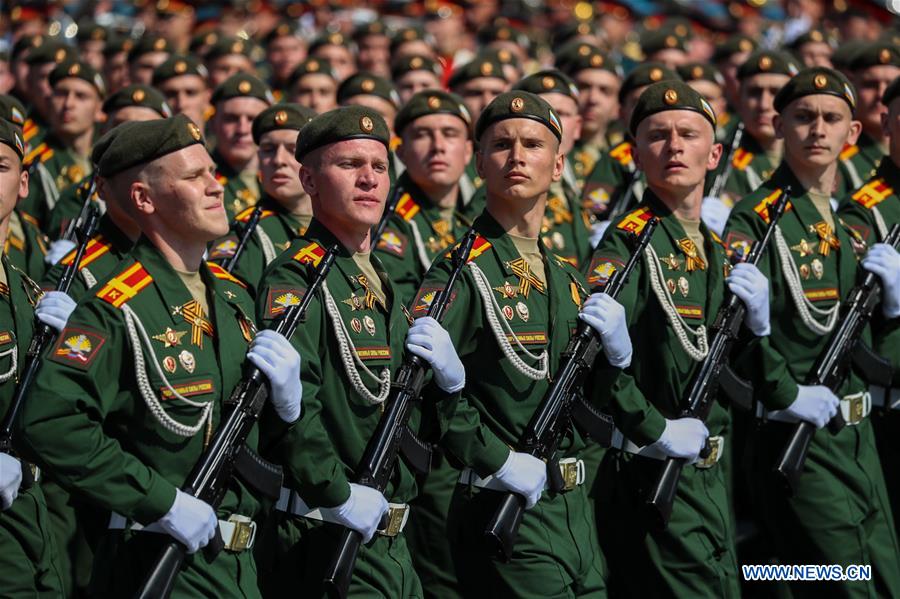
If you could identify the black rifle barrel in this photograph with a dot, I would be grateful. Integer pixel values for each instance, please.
(389, 208)
(723, 175)
(231, 263)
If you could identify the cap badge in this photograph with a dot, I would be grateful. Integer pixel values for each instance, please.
(415, 62)
(159, 44)
(244, 87)
(745, 45)
(548, 82)
(74, 69)
(281, 117)
(584, 50)
(517, 105)
(138, 95)
(366, 124)
(180, 66)
(884, 56)
(655, 74)
(697, 72)
(820, 81)
(434, 102)
(367, 85)
(596, 60)
(194, 130)
(765, 63)
(486, 68)
(670, 97)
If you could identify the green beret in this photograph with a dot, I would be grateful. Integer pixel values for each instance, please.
(572, 30)
(846, 52)
(281, 116)
(26, 42)
(91, 31)
(78, 70)
(51, 50)
(148, 140)
(670, 95)
(409, 34)
(367, 84)
(242, 85)
(501, 31)
(891, 92)
(476, 69)
(371, 28)
(549, 81)
(226, 45)
(286, 28)
(203, 41)
(768, 61)
(579, 56)
(341, 124)
(12, 110)
(813, 36)
(138, 95)
(501, 55)
(148, 44)
(328, 39)
(701, 71)
(406, 64)
(12, 136)
(644, 74)
(519, 105)
(813, 81)
(735, 44)
(432, 102)
(874, 55)
(178, 65)
(102, 144)
(311, 66)
(661, 39)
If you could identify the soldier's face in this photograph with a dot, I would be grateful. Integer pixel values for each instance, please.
(348, 184)
(232, 125)
(284, 54)
(141, 71)
(815, 129)
(599, 98)
(815, 54)
(478, 93)
(415, 81)
(675, 149)
(225, 66)
(870, 85)
(340, 58)
(13, 182)
(518, 160)
(188, 95)
(436, 149)
(374, 54)
(757, 104)
(279, 169)
(567, 109)
(318, 92)
(39, 87)
(76, 106)
(115, 71)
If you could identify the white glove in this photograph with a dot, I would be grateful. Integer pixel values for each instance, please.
(10, 479)
(607, 317)
(752, 287)
(714, 214)
(58, 250)
(597, 231)
(54, 309)
(884, 261)
(523, 474)
(272, 353)
(431, 342)
(814, 404)
(191, 521)
(362, 511)
(683, 438)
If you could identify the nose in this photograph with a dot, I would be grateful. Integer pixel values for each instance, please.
(281, 156)
(367, 178)
(214, 188)
(516, 153)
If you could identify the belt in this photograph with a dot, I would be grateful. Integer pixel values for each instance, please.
(571, 469)
(716, 444)
(291, 503)
(885, 398)
(854, 409)
(238, 532)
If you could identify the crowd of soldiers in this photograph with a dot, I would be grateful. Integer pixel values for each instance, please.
(230, 151)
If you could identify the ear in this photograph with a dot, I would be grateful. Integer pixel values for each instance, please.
(558, 166)
(778, 124)
(853, 134)
(308, 181)
(139, 194)
(468, 151)
(715, 155)
(23, 184)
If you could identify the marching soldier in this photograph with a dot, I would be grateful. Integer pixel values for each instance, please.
(133, 388)
(228, 57)
(814, 48)
(728, 57)
(285, 210)
(839, 511)
(413, 74)
(314, 85)
(145, 56)
(334, 48)
(285, 50)
(41, 61)
(183, 80)
(373, 48)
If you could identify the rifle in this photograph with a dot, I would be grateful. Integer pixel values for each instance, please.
(389, 209)
(833, 364)
(381, 452)
(703, 389)
(560, 408)
(232, 262)
(723, 175)
(209, 478)
(85, 206)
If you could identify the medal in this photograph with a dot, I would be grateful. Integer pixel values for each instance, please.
(356, 325)
(506, 290)
(694, 261)
(818, 269)
(369, 323)
(683, 286)
(170, 338)
(169, 364)
(672, 261)
(522, 311)
(192, 312)
(827, 239)
(527, 280)
(355, 302)
(508, 312)
(802, 248)
(186, 359)
(670, 285)
(804, 271)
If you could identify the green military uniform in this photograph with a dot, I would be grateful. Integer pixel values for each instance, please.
(607, 185)
(55, 167)
(859, 161)
(471, 198)
(750, 166)
(44, 51)
(26, 245)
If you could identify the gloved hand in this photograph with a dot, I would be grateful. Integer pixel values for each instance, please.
(272, 353)
(597, 231)
(607, 317)
(362, 511)
(814, 404)
(714, 214)
(54, 309)
(884, 261)
(748, 283)
(431, 342)
(523, 474)
(191, 521)
(10, 479)
(58, 250)
(683, 438)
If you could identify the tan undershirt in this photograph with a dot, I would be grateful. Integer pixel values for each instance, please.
(447, 214)
(528, 249)
(775, 155)
(303, 220)
(822, 202)
(364, 263)
(250, 181)
(197, 288)
(692, 228)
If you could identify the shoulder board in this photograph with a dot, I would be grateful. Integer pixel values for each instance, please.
(716, 238)
(872, 193)
(635, 221)
(29, 219)
(849, 152)
(41, 153)
(310, 254)
(16, 242)
(762, 209)
(126, 285)
(406, 207)
(622, 153)
(96, 247)
(29, 130)
(395, 143)
(220, 273)
(742, 159)
(479, 246)
(222, 179)
(244, 216)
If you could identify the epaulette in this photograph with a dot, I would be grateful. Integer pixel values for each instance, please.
(29, 130)
(16, 242)
(762, 209)
(42, 153)
(742, 159)
(395, 143)
(406, 207)
(96, 247)
(479, 246)
(126, 285)
(716, 238)
(872, 193)
(310, 254)
(222, 179)
(29, 219)
(849, 152)
(220, 273)
(244, 216)
(635, 221)
(622, 153)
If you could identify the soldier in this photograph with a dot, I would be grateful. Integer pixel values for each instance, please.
(91, 38)
(812, 267)
(710, 84)
(379, 94)
(145, 56)
(96, 416)
(228, 57)
(511, 315)
(41, 61)
(115, 62)
(184, 81)
(412, 41)
(814, 48)
(665, 46)
(238, 101)
(728, 57)
(285, 207)
(285, 50)
(314, 85)
(413, 74)
(334, 48)
(373, 48)
(351, 343)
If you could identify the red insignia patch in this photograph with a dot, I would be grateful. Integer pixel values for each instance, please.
(281, 298)
(77, 347)
(392, 242)
(425, 297)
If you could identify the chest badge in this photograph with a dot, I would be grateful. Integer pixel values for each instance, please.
(818, 269)
(369, 324)
(522, 311)
(186, 359)
(356, 325)
(169, 364)
(693, 260)
(683, 286)
(506, 290)
(170, 338)
(527, 280)
(827, 239)
(803, 248)
(672, 261)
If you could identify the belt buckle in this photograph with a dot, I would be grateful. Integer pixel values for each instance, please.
(244, 532)
(856, 408)
(396, 518)
(716, 444)
(572, 470)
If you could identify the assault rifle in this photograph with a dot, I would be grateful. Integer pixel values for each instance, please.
(231, 263)
(389, 208)
(723, 175)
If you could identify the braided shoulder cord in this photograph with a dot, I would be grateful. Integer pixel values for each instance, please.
(808, 312)
(420, 246)
(268, 248)
(15, 363)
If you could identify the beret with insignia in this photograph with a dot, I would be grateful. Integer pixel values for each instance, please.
(148, 44)
(875, 55)
(406, 64)
(242, 85)
(813, 36)
(102, 144)
(12, 136)
(814, 81)
(12, 110)
(891, 93)
(735, 44)
(202, 42)
(116, 44)
(371, 28)
(579, 56)
(670, 95)
(549, 81)
(148, 140)
(768, 61)
(78, 70)
(286, 28)
(329, 39)
(178, 65)
(409, 34)
(281, 116)
(501, 31)
(518, 105)
(361, 84)
(432, 102)
(701, 71)
(480, 67)
(644, 74)
(501, 55)
(572, 30)
(26, 42)
(138, 95)
(91, 31)
(311, 66)
(661, 39)
(226, 45)
(846, 52)
(341, 124)
(51, 50)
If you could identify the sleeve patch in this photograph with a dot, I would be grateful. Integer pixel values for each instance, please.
(736, 242)
(602, 268)
(393, 242)
(77, 347)
(280, 298)
(424, 299)
(224, 248)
